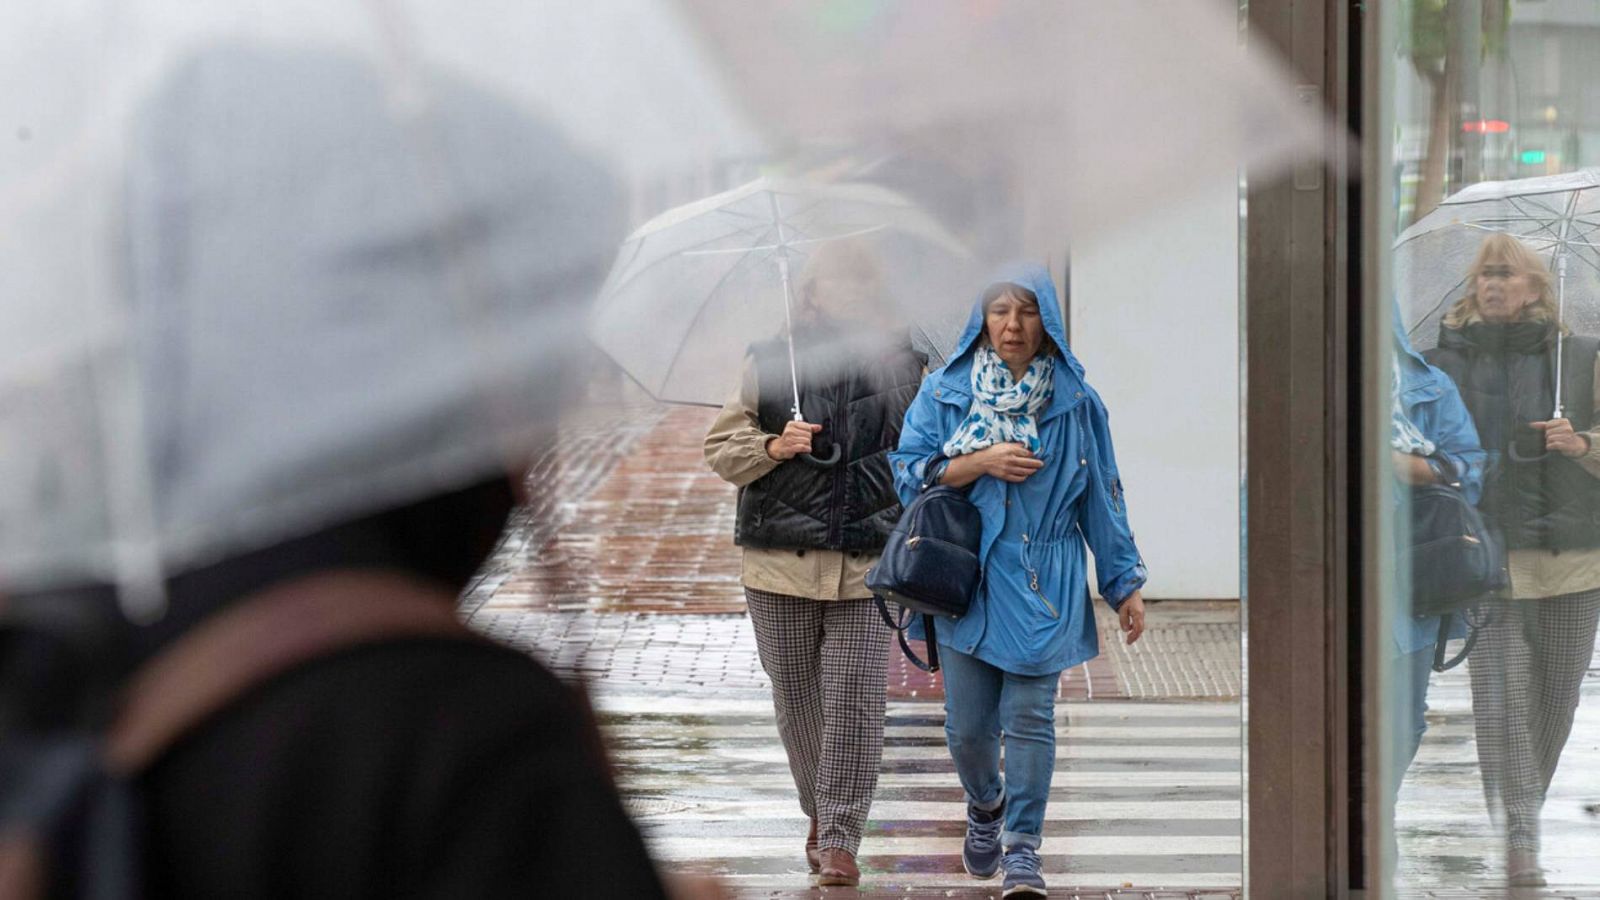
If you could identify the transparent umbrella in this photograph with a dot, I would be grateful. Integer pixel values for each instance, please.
(272, 265)
(693, 288)
(1108, 108)
(1558, 216)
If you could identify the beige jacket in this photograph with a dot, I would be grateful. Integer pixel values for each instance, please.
(736, 449)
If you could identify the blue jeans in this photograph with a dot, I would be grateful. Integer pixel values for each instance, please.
(981, 702)
(1408, 710)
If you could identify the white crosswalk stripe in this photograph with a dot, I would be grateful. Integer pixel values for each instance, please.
(1145, 793)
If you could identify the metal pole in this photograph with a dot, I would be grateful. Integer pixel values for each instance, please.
(1561, 315)
(1561, 294)
(788, 301)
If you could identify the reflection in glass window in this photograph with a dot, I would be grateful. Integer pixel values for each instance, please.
(1495, 443)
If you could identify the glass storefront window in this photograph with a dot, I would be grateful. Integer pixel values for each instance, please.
(1491, 443)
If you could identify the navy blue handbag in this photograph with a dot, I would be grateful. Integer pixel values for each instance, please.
(1457, 564)
(930, 564)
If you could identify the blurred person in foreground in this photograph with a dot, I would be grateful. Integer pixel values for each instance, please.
(816, 506)
(1012, 417)
(295, 241)
(1498, 344)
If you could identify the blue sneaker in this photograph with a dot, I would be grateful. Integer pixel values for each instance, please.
(980, 852)
(1022, 873)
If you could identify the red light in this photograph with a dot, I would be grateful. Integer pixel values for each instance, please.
(1486, 126)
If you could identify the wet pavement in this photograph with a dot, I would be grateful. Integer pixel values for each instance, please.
(1446, 839)
(622, 573)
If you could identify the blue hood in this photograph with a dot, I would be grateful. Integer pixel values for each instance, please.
(1415, 372)
(1035, 278)
(1402, 341)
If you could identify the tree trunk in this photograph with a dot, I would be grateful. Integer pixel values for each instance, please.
(1431, 188)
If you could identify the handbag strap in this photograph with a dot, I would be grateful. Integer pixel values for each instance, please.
(1440, 664)
(260, 637)
(899, 628)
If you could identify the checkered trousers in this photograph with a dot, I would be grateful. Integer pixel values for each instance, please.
(1527, 670)
(828, 662)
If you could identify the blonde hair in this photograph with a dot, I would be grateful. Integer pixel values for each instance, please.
(845, 259)
(1503, 249)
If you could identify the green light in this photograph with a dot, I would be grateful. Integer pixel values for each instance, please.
(1532, 157)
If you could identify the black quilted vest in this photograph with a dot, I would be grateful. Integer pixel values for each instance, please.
(859, 392)
(1506, 374)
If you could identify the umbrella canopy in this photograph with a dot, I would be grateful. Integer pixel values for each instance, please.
(1108, 108)
(268, 267)
(693, 288)
(1558, 216)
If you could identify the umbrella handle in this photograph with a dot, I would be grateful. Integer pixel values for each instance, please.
(810, 459)
(1517, 456)
(828, 463)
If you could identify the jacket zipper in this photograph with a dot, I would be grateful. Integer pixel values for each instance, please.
(1033, 582)
(841, 437)
(1033, 574)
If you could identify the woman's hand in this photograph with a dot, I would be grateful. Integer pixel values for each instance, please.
(1559, 436)
(1008, 462)
(795, 440)
(1412, 469)
(1131, 616)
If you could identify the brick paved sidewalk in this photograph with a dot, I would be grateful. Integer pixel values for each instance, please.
(631, 526)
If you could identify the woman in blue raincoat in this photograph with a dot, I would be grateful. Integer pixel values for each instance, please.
(1433, 441)
(1012, 417)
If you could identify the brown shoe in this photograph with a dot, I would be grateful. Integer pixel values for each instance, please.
(838, 868)
(813, 858)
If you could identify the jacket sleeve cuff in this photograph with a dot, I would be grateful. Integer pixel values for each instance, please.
(1591, 460)
(927, 472)
(1123, 586)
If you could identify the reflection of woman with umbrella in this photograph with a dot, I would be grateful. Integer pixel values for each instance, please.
(1503, 345)
(816, 505)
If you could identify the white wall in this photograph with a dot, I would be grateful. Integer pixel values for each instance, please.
(1155, 320)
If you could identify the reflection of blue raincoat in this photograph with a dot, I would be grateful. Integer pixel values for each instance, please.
(1433, 404)
(1041, 523)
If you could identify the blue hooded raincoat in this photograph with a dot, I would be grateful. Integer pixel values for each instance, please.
(1041, 523)
(1433, 404)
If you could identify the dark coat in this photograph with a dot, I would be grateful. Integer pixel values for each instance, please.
(428, 768)
(858, 391)
(1506, 374)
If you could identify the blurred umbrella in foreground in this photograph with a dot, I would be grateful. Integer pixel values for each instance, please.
(1107, 108)
(693, 288)
(264, 276)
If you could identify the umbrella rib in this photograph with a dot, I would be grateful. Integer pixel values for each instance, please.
(929, 338)
(729, 250)
(793, 218)
(839, 237)
(1436, 307)
(665, 259)
(698, 315)
(1547, 223)
(741, 214)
